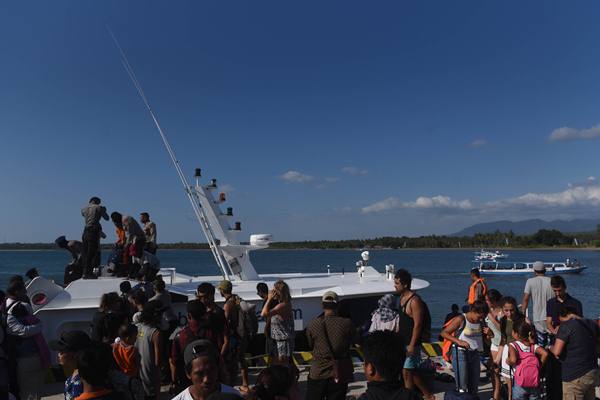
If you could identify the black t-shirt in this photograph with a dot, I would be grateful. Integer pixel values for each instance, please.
(579, 356)
(553, 304)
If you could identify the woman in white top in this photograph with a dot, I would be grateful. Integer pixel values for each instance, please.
(385, 318)
(493, 298)
(466, 333)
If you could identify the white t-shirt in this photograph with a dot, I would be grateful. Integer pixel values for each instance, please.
(186, 395)
(539, 290)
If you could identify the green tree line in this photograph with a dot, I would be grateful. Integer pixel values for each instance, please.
(542, 238)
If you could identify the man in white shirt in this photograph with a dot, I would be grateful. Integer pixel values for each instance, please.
(202, 368)
(538, 290)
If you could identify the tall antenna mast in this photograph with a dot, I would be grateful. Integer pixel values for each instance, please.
(191, 194)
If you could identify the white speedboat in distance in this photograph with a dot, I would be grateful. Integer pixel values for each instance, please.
(491, 267)
(359, 287)
(489, 255)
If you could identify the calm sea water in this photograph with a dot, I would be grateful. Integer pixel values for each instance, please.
(446, 270)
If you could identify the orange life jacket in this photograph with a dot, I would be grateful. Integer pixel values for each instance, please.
(473, 290)
(446, 344)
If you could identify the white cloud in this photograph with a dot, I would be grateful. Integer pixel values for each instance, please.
(383, 205)
(575, 196)
(478, 143)
(295, 177)
(422, 202)
(567, 133)
(331, 179)
(354, 171)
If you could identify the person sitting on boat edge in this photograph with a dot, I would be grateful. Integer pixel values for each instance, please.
(150, 231)
(74, 270)
(384, 358)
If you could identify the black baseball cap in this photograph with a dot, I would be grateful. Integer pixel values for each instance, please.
(199, 348)
(71, 341)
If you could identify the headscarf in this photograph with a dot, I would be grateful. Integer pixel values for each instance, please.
(385, 310)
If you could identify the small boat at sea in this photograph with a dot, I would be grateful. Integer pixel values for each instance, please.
(359, 286)
(492, 267)
(489, 255)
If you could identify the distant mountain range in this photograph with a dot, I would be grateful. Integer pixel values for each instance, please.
(530, 226)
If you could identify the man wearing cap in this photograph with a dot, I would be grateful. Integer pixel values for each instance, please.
(202, 368)
(67, 347)
(328, 333)
(235, 356)
(539, 291)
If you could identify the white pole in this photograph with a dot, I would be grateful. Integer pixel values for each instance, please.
(198, 211)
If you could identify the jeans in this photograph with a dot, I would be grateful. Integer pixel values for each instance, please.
(522, 393)
(91, 249)
(466, 365)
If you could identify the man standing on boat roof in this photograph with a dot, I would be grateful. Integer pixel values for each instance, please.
(150, 231)
(92, 232)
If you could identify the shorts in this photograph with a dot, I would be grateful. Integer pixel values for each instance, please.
(282, 348)
(505, 371)
(413, 361)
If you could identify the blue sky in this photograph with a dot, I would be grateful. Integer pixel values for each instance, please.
(322, 120)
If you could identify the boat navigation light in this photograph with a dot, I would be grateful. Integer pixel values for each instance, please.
(222, 197)
(197, 173)
(238, 226)
(213, 183)
(230, 211)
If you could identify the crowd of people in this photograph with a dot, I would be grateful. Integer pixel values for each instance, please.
(133, 254)
(552, 354)
(135, 346)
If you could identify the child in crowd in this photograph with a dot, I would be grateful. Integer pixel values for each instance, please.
(527, 359)
(511, 315)
(126, 355)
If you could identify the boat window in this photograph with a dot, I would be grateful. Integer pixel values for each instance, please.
(520, 266)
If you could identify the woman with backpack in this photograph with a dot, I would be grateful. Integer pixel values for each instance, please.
(527, 359)
(466, 333)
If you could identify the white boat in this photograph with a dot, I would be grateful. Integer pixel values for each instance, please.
(359, 286)
(491, 267)
(489, 255)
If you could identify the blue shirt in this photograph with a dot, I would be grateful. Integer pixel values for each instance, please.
(73, 387)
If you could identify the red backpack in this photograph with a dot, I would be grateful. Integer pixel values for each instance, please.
(527, 370)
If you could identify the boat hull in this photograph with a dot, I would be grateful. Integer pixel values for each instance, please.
(528, 271)
(74, 306)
